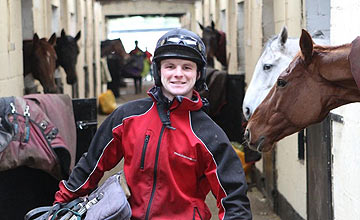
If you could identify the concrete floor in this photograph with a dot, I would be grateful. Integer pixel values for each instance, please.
(260, 207)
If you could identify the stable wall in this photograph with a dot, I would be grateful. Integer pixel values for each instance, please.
(89, 47)
(345, 164)
(11, 72)
(44, 18)
(143, 7)
(291, 174)
(99, 32)
(253, 36)
(345, 27)
(80, 11)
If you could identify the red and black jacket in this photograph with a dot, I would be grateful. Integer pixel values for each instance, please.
(173, 155)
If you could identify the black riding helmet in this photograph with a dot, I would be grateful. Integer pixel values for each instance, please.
(182, 44)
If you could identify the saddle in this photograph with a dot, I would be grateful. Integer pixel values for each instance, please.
(107, 202)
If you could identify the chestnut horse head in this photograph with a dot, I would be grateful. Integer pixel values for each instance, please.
(39, 58)
(317, 80)
(215, 43)
(67, 51)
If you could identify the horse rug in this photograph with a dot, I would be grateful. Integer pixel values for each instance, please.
(35, 131)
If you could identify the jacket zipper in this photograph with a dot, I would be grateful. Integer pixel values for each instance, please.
(147, 137)
(155, 173)
(196, 210)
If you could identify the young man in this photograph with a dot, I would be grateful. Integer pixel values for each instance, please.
(174, 154)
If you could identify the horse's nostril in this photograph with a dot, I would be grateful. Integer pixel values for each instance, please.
(247, 111)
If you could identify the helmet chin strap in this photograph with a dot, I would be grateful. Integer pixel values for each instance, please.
(198, 75)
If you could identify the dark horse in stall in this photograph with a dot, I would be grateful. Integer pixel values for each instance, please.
(226, 91)
(39, 59)
(67, 51)
(215, 42)
(121, 65)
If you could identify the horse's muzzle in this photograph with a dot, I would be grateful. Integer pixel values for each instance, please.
(71, 79)
(259, 144)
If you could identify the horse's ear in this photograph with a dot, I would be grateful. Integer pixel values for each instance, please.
(201, 26)
(283, 36)
(306, 46)
(63, 33)
(52, 39)
(213, 25)
(35, 38)
(78, 35)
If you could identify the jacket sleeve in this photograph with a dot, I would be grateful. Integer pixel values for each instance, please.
(226, 176)
(104, 153)
(228, 183)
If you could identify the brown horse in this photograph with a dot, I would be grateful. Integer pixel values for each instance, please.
(122, 65)
(215, 43)
(116, 47)
(319, 79)
(39, 59)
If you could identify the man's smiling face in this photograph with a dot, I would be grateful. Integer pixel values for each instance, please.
(178, 77)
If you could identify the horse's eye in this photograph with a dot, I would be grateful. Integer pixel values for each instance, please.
(281, 83)
(267, 67)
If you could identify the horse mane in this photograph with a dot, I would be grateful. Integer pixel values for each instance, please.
(221, 51)
(269, 42)
(318, 49)
(327, 48)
